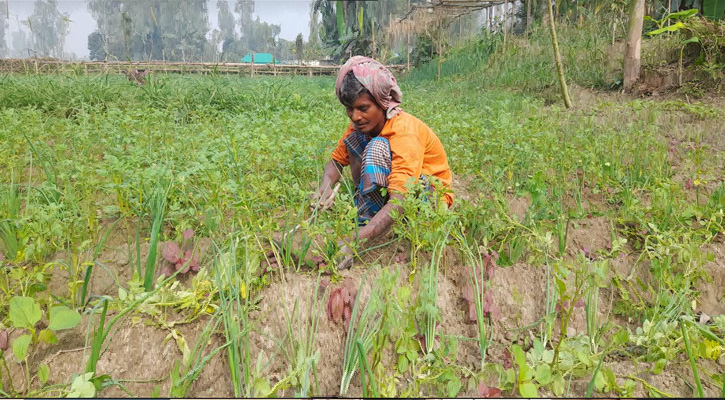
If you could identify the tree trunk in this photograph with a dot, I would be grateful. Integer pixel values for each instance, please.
(633, 52)
(528, 13)
(557, 55)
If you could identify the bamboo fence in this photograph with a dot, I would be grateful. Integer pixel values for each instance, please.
(54, 66)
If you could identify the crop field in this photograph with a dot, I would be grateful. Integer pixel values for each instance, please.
(584, 254)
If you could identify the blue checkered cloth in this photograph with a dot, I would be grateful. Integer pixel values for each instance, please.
(376, 160)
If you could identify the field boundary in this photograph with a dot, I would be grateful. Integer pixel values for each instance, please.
(54, 66)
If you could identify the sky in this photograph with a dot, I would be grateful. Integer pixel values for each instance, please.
(291, 15)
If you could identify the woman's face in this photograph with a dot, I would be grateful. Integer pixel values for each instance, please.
(366, 116)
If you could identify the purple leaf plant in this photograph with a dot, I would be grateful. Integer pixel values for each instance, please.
(180, 256)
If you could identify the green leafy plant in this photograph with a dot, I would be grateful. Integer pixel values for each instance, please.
(680, 18)
(25, 313)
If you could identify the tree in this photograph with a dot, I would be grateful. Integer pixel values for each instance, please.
(227, 24)
(48, 29)
(96, 49)
(314, 45)
(151, 29)
(633, 52)
(299, 47)
(21, 44)
(245, 8)
(3, 29)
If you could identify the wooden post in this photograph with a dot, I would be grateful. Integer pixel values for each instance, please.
(528, 13)
(557, 55)
(373, 30)
(505, 19)
(251, 70)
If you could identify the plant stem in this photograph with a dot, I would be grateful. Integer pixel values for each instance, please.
(700, 392)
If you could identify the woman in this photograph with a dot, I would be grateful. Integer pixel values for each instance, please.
(384, 146)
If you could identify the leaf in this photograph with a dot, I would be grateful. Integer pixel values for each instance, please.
(82, 386)
(171, 252)
(487, 392)
(24, 312)
(600, 382)
(20, 347)
(659, 366)
(681, 14)
(557, 385)
(402, 363)
(453, 387)
(519, 356)
(543, 374)
(43, 373)
(188, 234)
(621, 338)
(693, 39)
(62, 317)
(528, 390)
(261, 388)
(672, 28)
(525, 374)
(48, 336)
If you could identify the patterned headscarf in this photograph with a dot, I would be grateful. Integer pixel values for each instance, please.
(376, 79)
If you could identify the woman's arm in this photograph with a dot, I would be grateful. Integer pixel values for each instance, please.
(330, 176)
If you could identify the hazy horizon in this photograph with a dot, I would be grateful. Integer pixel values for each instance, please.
(291, 15)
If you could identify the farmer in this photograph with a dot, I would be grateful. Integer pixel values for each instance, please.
(384, 146)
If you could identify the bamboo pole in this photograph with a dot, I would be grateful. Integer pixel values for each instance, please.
(408, 32)
(557, 55)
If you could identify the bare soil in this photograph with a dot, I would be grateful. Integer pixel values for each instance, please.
(140, 355)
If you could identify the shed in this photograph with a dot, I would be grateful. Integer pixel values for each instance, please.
(260, 58)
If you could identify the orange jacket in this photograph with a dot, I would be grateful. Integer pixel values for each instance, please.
(416, 151)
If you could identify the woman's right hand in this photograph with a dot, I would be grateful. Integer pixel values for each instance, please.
(324, 198)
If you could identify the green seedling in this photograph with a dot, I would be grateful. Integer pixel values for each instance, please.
(25, 313)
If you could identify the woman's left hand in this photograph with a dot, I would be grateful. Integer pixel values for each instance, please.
(344, 259)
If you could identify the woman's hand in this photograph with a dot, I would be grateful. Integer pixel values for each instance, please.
(344, 259)
(324, 198)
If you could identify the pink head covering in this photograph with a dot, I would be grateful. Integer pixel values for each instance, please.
(376, 79)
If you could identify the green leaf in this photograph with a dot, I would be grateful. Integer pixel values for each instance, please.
(621, 338)
(24, 312)
(62, 317)
(453, 387)
(528, 390)
(681, 14)
(48, 336)
(543, 374)
(82, 386)
(43, 373)
(402, 363)
(20, 347)
(582, 356)
(525, 374)
(672, 28)
(557, 385)
(693, 39)
(519, 356)
(600, 382)
(261, 387)
(659, 366)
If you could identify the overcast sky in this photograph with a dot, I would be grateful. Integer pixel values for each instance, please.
(291, 15)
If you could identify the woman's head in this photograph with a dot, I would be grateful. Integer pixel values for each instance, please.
(365, 113)
(351, 89)
(362, 76)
